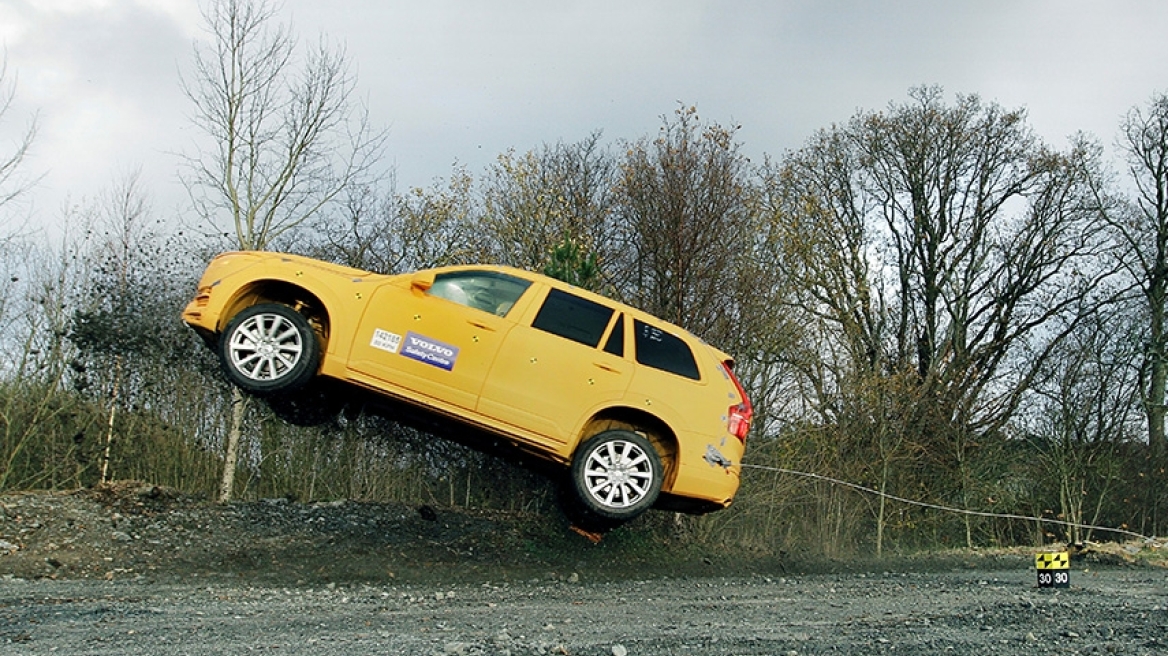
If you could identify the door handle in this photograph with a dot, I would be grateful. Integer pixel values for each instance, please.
(484, 326)
(601, 365)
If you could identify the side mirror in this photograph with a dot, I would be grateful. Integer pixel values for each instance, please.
(422, 281)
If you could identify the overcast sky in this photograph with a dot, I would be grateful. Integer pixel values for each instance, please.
(466, 80)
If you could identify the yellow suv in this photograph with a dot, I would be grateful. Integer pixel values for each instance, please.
(639, 411)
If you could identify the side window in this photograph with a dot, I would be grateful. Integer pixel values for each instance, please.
(572, 317)
(483, 290)
(660, 350)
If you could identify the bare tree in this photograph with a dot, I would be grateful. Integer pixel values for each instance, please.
(12, 184)
(557, 197)
(443, 225)
(391, 232)
(35, 398)
(284, 138)
(127, 209)
(1141, 230)
(366, 234)
(13, 248)
(1084, 413)
(946, 247)
(684, 200)
(113, 323)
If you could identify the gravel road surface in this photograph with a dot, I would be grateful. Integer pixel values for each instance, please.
(134, 569)
(1105, 611)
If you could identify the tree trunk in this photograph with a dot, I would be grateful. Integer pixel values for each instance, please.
(880, 517)
(109, 429)
(227, 484)
(1157, 382)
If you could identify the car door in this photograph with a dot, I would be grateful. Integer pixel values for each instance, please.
(439, 337)
(548, 375)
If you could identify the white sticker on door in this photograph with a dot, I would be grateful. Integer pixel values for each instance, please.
(386, 341)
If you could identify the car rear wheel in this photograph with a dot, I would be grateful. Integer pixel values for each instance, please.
(269, 348)
(616, 475)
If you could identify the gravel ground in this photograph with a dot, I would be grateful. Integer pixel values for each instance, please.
(1108, 611)
(134, 569)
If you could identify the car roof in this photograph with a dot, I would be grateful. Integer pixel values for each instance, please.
(524, 274)
(579, 291)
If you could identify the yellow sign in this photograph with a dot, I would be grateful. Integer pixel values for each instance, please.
(1052, 560)
(1054, 569)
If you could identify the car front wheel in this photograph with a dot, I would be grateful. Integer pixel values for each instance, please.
(616, 475)
(269, 348)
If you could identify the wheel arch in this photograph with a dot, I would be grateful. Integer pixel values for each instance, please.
(660, 435)
(270, 290)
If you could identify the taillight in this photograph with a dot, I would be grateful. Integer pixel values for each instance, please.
(739, 413)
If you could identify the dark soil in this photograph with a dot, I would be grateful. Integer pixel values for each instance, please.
(132, 530)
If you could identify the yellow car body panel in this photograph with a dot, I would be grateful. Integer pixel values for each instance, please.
(541, 384)
(441, 340)
(700, 418)
(413, 316)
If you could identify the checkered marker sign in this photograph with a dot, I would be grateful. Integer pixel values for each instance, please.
(1054, 569)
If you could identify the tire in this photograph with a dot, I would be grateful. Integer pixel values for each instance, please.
(268, 349)
(616, 476)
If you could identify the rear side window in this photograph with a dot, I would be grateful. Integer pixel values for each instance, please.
(660, 350)
(572, 317)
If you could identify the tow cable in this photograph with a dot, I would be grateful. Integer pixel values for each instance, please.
(949, 509)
